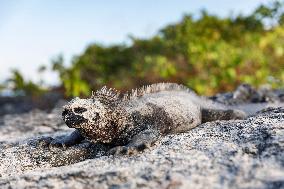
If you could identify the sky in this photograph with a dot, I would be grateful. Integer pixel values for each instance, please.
(32, 32)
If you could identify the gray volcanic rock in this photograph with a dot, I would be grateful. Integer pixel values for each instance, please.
(222, 154)
(246, 93)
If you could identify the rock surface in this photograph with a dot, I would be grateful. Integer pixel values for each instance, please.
(223, 154)
(247, 94)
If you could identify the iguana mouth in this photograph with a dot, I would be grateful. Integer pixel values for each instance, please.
(72, 120)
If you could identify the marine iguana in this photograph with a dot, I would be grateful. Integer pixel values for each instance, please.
(134, 121)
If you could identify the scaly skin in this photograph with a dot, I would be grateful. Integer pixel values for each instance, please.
(133, 122)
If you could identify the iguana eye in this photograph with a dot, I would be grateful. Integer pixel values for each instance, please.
(96, 116)
(79, 110)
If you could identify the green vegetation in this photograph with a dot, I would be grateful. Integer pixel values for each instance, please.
(2, 87)
(70, 78)
(209, 54)
(21, 86)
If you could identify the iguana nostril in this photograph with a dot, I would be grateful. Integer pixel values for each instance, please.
(79, 110)
(65, 112)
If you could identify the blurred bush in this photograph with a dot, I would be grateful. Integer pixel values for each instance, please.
(22, 87)
(209, 54)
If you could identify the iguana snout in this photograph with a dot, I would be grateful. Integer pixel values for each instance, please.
(72, 117)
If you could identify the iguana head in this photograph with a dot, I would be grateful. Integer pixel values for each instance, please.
(99, 118)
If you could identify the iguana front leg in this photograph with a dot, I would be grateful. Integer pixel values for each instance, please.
(217, 114)
(74, 138)
(137, 144)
